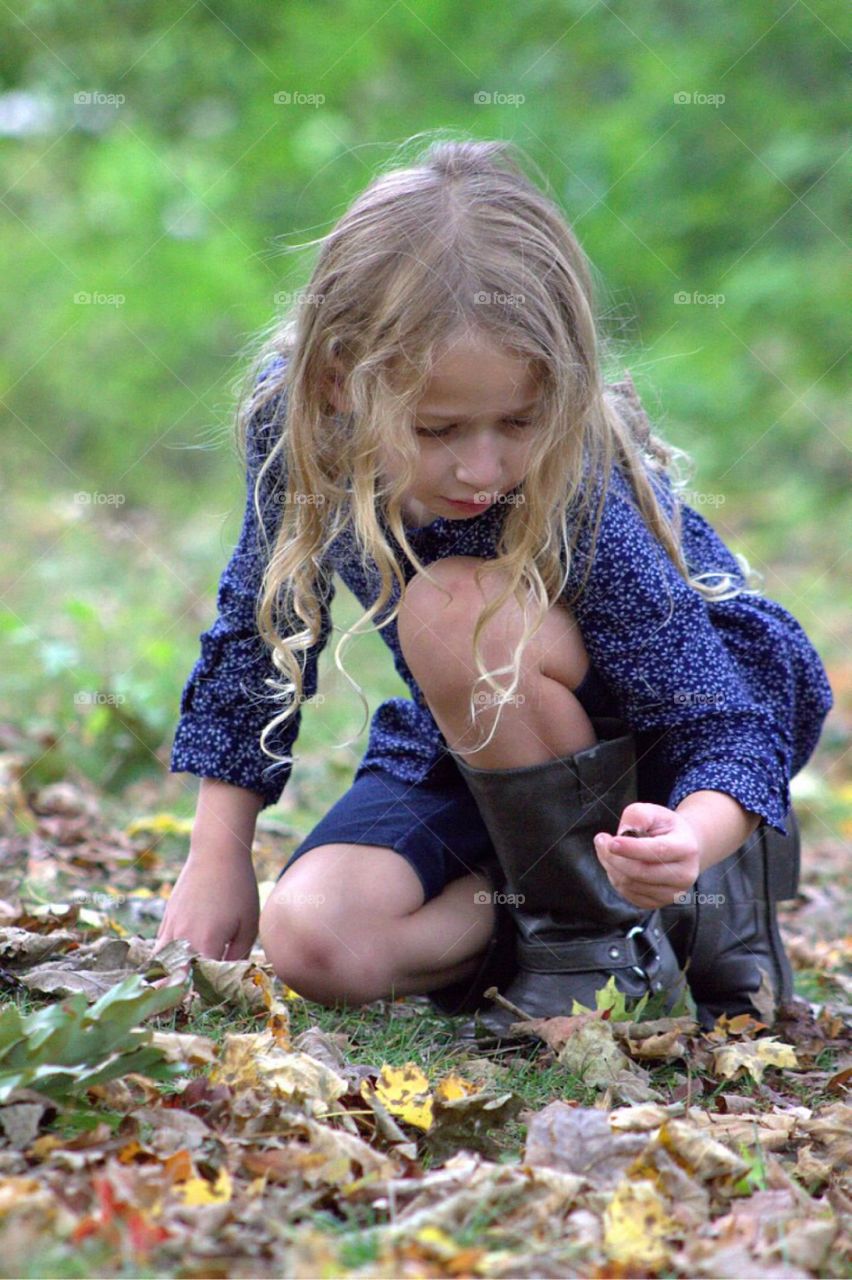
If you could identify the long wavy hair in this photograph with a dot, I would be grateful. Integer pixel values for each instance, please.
(458, 242)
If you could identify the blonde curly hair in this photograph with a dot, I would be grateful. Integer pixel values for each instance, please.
(402, 274)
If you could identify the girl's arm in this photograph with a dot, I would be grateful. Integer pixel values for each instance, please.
(732, 691)
(720, 823)
(225, 703)
(214, 904)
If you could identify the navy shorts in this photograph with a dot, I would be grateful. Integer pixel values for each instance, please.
(434, 824)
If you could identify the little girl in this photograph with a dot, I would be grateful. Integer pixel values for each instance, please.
(433, 426)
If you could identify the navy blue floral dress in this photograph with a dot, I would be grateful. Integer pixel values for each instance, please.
(728, 696)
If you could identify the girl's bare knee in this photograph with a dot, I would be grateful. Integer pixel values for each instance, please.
(434, 624)
(435, 628)
(322, 934)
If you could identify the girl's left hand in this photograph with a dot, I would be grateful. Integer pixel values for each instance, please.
(657, 868)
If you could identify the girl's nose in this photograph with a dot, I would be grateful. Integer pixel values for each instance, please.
(479, 465)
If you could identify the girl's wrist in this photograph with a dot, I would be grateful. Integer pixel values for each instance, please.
(225, 820)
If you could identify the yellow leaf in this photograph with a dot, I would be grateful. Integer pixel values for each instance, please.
(753, 1057)
(200, 1191)
(437, 1242)
(453, 1086)
(161, 824)
(16, 1191)
(254, 1060)
(404, 1091)
(636, 1225)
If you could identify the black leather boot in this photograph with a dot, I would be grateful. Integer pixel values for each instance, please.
(574, 930)
(725, 929)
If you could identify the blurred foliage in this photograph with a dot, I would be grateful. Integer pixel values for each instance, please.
(142, 228)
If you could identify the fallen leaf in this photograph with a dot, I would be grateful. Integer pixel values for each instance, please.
(637, 1225)
(580, 1140)
(238, 983)
(199, 1191)
(405, 1092)
(198, 1051)
(752, 1057)
(254, 1059)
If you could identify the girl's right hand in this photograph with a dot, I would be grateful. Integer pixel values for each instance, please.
(214, 905)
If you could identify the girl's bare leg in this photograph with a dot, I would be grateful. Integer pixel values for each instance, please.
(348, 922)
(543, 720)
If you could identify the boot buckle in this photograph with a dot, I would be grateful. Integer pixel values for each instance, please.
(649, 964)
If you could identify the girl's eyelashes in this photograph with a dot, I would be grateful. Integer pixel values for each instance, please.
(515, 423)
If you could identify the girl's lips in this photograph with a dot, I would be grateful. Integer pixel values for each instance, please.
(469, 506)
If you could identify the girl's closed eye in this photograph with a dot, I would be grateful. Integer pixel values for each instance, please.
(436, 434)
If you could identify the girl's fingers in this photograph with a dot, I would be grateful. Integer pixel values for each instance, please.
(647, 849)
(661, 874)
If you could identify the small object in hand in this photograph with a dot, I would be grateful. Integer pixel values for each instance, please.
(631, 831)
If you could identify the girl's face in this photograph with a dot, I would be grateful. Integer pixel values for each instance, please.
(473, 430)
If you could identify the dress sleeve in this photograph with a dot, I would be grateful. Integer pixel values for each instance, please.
(726, 684)
(225, 703)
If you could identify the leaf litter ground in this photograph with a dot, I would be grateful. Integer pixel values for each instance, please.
(219, 1125)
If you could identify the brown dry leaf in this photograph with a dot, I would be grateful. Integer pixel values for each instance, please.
(668, 1046)
(591, 1054)
(327, 1157)
(770, 1234)
(752, 1057)
(198, 1051)
(764, 998)
(580, 1140)
(22, 1192)
(54, 980)
(173, 1129)
(828, 1153)
(20, 1122)
(555, 1032)
(772, 1131)
(256, 1060)
(21, 947)
(467, 1122)
(238, 983)
(701, 1155)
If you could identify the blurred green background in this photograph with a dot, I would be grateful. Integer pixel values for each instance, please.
(155, 159)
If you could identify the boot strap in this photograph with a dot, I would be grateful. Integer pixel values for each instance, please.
(635, 950)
